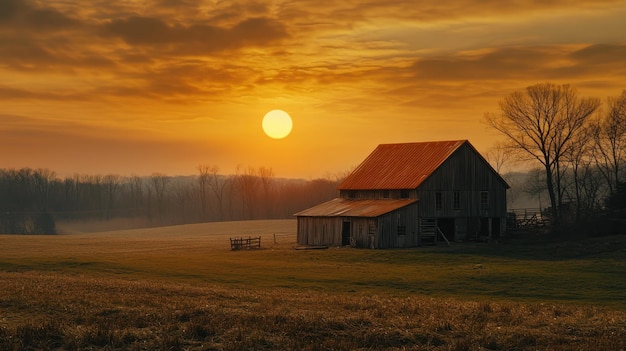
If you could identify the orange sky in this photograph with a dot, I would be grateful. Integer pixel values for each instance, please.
(137, 87)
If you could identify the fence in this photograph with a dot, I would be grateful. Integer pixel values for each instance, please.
(525, 218)
(245, 243)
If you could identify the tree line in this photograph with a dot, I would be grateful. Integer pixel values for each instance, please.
(33, 200)
(577, 143)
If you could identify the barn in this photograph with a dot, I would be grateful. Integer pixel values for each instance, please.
(411, 194)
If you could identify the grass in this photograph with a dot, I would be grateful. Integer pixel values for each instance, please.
(182, 288)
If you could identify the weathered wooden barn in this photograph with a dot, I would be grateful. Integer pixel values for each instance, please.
(411, 194)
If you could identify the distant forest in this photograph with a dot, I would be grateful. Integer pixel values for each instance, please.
(36, 200)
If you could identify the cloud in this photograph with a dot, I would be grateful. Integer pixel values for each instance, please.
(341, 13)
(601, 54)
(494, 64)
(195, 38)
(13, 94)
(8, 9)
(157, 57)
(24, 14)
(35, 55)
(528, 63)
(194, 50)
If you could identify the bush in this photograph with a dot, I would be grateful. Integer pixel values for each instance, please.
(44, 224)
(617, 200)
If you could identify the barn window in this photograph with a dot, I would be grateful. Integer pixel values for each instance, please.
(457, 200)
(401, 230)
(438, 201)
(484, 199)
(372, 229)
(404, 194)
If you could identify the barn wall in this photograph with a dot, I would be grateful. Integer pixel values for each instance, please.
(319, 231)
(360, 230)
(466, 173)
(328, 230)
(389, 224)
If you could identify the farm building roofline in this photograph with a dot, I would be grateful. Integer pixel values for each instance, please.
(404, 165)
(340, 207)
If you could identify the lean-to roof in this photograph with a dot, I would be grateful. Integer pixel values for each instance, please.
(355, 207)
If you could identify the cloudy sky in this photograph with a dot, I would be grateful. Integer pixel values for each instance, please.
(136, 87)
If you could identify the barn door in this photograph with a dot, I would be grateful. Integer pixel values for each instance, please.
(495, 228)
(447, 227)
(345, 234)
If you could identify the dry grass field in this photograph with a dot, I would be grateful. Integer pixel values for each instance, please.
(182, 288)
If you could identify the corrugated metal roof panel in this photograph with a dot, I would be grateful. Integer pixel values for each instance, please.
(355, 208)
(400, 166)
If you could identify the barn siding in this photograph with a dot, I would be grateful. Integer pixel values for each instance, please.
(319, 231)
(328, 230)
(359, 230)
(467, 173)
(388, 236)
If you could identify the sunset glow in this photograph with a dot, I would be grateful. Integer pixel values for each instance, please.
(139, 87)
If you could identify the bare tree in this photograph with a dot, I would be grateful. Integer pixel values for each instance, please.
(579, 158)
(498, 156)
(592, 188)
(266, 176)
(136, 193)
(112, 183)
(183, 196)
(78, 188)
(513, 179)
(93, 192)
(535, 185)
(203, 183)
(159, 184)
(218, 185)
(542, 122)
(246, 182)
(42, 179)
(610, 141)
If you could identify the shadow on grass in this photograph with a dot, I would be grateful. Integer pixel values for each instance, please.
(541, 246)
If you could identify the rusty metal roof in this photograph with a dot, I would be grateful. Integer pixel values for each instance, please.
(400, 166)
(355, 208)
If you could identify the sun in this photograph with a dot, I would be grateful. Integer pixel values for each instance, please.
(277, 124)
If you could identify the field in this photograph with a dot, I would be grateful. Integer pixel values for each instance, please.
(181, 287)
